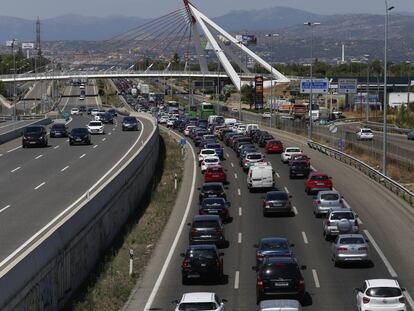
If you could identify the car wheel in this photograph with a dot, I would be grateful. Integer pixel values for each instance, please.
(184, 280)
(70, 143)
(336, 263)
(23, 145)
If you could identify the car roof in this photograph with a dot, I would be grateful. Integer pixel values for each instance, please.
(202, 246)
(328, 192)
(350, 235)
(206, 217)
(208, 149)
(213, 183)
(214, 166)
(275, 260)
(197, 297)
(382, 283)
(279, 303)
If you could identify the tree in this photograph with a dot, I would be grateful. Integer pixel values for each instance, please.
(2, 89)
(247, 94)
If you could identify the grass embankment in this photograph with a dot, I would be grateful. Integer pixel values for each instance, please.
(108, 94)
(110, 288)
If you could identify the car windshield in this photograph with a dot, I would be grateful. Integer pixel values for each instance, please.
(212, 188)
(95, 124)
(213, 202)
(202, 253)
(366, 131)
(58, 126)
(129, 119)
(292, 150)
(342, 215)
(352, 240)
(33, 130)
(79, 131)
(277, 196)
(319, 177)
(330, 197)
(197, 306)
(254, 156)
(384, 292)
(299, 165)
(273, 245)
(206, 224)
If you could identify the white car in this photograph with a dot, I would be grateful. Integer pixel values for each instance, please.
(188, 129)
(380, 295)
(94, 111)
(205, 153)
(266, 115)
(170, 122)
(365, 134)
(209, 161)
(200, 301)
(241, 128)
(163, 120)
(74, 111)
(289, 151)
(96, 127)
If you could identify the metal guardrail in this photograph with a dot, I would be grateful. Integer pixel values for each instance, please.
(374, 174)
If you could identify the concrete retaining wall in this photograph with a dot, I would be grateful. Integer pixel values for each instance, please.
(49, 275)
(13, 134)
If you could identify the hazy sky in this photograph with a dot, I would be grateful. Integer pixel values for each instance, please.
(152, 8)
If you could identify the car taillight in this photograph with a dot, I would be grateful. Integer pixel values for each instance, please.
(365, 300)
(186, 263)
(317, 202)
(363, 248)
(301, 283)
(218, 263)
(259, 283)
(342, 249)
(402, 300)
(193, 231)
(201, 212)
(259, 256)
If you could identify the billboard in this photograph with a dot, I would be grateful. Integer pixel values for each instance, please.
(247, 39)
(28, 46)
(258, 91)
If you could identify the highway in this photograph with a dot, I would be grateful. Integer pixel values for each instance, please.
(7, 126)
(329, 288)
(37, 184)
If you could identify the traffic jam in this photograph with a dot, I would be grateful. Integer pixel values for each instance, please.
(279, 273)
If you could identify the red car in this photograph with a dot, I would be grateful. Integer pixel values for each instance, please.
(299, 157)
(274, 146)
(318, 182)
(215, 174)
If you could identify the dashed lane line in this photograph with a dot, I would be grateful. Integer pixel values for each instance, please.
(295, 210)
(235, 175)
(56, 147)
(39, 186)
(4, 208)
(305, 238)
(82, 156)
(94, 147)
(239, 238)
(277, 174)
(236, 280)
(14, 149)
(15, 170)
(240, 211)
(315, 278)
(64, 169)
(103, 139)
(39, 156)
(287, 190)
(232, 165)
(238, 191)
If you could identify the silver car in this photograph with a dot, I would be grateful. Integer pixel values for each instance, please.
(340, 221)
(410, 135)
(350, 248)
(326, 200)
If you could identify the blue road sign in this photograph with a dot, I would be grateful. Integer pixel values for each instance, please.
(317, 86)
(340, 144)
(183, 141)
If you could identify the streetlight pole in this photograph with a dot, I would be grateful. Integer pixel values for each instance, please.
(408, 82)
(271, 73)
(367, 97)
(311, 25)
(384, 141)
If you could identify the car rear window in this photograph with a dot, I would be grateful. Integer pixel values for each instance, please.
(384, 292)
(273, 245)
(366, 131)
(254, 156)
(352, 240)
(342, 215)
(299, 165)
(210, 160)
(215, 170)
(129, 119)
(319, 177)
(209, 151)
(292, 150)
(58, 126)
(197, 306)
(277, 196)
(202, 253)
(79, 131)
(212, 188)
(34, 129)
(213, 146)
(205, 224)
(282, 270)
(330, 197)
(95, 123)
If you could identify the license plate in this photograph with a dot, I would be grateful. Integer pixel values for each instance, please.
(213, 211)
(319, 184)
(78, 139)
(193, 276)
(206, 236)
(213, 195)
(32, 142)
(216, 176)
(281, 284)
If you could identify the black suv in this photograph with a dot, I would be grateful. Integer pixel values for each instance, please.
(58, 130)
(279, 277)
(107, 118)
(207, 229)
(79, 135)
(130, 124)
(113, 112)
(212, 190)
(202, 262)
(264, 139)
(34, 135)
(299, 168)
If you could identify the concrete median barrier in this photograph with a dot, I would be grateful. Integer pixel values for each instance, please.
(17, 132)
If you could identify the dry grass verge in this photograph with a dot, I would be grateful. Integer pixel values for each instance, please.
(111, 285)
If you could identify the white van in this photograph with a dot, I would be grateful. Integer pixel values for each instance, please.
(260, 176)
(280, 305)
(230, 121)
(211, 119)
(251, 127)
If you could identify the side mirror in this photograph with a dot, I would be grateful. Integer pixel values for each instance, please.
(290, 196)
(198, 188)
(366, 240)
(357, 289)
(227, 188)
(189, 224)
(263, 197)
(403, 289)
(182, 255)
(303, 267)
(228, 204)
(330, 177)
(224, 300)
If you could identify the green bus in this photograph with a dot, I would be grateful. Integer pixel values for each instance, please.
(206, 110)
(192, 112)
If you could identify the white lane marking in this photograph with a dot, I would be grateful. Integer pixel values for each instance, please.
(64, 169)
(312, 168)
(114, 128)
(240, 211)
(96, 146)
(16, 169)
(39, 186)
(287, 190)
(103, 139)
(381, 254)
(232, 165)
(305, 238)
(238, 191)
(82, 156)
(315, 278)
(67, 139)
(359, 221)
(235, 175)
(39, 156)
(177, 237)
(1, 154)
(4, 208)
(295, 210)
(239, 238)
(14, 149)
(227, 155)
(277, 174)
(109, 133)
(68, 98)
(409, 299)
(236, 280)
(56, 147)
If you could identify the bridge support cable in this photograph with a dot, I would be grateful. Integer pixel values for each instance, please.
(233, 57)
(203, 20)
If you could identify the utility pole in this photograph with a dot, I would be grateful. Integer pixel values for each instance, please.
(367, 108)
(271, 74)
(14, 78)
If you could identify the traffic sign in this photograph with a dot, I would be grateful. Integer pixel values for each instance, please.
(316, 86)
(347, 86)
(183, 141)
(340, 144)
